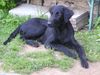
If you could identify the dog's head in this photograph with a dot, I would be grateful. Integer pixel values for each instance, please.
(59, 14)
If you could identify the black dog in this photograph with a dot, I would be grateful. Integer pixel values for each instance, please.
(60, 33)
(57, 33)
(63, 32)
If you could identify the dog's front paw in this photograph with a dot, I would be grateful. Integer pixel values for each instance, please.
(85, 64)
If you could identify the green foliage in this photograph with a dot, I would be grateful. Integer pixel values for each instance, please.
(1, 14)
(97, 22)
(65, 63)
(7, 4)
(90, 43)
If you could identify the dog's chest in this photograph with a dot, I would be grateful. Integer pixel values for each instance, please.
(62, 35)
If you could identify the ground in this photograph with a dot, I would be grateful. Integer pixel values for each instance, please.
(76, 70)
(94, 68)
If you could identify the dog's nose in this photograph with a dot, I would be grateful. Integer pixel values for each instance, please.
(50, 24)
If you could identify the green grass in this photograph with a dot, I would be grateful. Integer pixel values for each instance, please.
(25, 64)
(91, 43)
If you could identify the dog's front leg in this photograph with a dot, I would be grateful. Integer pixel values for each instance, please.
(49, 41)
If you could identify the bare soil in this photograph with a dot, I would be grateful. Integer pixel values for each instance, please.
(94, 69)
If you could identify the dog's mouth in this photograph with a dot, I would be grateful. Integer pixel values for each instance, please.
(53, 24)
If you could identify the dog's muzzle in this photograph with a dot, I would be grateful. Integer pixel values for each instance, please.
(50, 23)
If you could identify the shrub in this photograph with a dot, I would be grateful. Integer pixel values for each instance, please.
(7, 4)
(97, 22)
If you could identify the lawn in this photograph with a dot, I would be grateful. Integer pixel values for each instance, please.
(13, 61)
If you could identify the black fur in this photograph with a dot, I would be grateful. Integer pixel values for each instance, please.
(56, 33)
(61, 33)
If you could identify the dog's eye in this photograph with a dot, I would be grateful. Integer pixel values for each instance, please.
(57, 13)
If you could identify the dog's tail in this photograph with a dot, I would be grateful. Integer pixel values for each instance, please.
(12, 35)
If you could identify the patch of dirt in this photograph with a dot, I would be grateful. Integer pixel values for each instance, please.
(5, 73)
(94, 69)
(1, 63)
(28, 49)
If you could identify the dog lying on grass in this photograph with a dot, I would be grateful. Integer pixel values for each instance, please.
(56, 33)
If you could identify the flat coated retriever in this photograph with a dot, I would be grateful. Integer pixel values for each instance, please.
(56, 33)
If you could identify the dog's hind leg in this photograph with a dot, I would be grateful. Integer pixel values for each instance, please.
(30, 42)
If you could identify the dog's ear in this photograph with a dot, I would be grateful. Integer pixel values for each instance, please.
(67, 14)
(51, 8)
